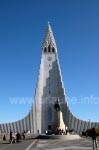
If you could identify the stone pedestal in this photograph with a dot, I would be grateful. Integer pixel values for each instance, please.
(61, 124)
(58, 121)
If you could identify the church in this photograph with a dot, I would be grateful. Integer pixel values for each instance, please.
(50, 108)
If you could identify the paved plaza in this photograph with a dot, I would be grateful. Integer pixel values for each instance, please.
(49, 144)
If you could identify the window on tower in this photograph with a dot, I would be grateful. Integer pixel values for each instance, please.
(49, 117)
(45, 50)
(49, 48)
(53, 49)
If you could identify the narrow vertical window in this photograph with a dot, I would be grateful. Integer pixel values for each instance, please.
(49, 116)
(45, 50)
(53, 50)
(49, 48)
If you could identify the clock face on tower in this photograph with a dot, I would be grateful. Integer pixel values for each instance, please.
(49, 58)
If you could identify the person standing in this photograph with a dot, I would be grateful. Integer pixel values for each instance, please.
(4, 138)
(46, 132)
(94, 139)
(38, 131)
(10, 137)
(66, 130)
(18, 137)
(23, 135)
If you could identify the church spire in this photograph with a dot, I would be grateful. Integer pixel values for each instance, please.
(49, 38)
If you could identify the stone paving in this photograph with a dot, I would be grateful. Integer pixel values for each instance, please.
(49, 144)
(79, 144)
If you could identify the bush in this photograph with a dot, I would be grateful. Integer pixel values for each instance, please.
(71, 130)
(84, 133)
(88, 132)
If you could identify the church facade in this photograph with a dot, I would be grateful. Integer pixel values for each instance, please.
(50, 108)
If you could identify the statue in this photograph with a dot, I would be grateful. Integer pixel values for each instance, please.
(59, 123)
(57, 106)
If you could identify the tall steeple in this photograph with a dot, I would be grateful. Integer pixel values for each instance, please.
(49, 93)
(49, 38)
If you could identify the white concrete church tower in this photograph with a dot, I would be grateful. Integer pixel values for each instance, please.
(49, 93)
(49, 88)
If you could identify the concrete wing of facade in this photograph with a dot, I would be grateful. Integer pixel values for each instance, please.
(49, 96)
